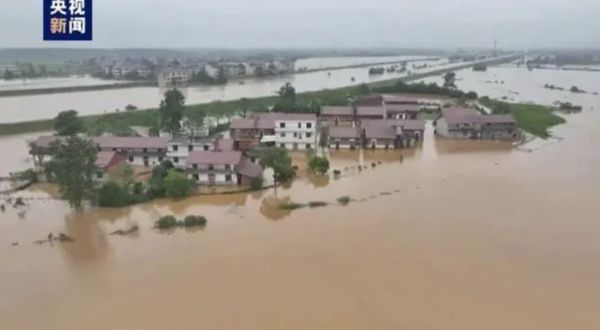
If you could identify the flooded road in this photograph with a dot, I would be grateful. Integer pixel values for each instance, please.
(454, 235)
(35, 107)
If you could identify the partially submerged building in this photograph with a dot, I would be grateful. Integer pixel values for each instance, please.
(467, 123)
(221, 168)
(292, 131)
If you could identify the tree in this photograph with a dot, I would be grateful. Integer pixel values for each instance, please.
(8, 75)
(194, 122)
(114, 195)
(177, 185)
(126, 172)
(287, 93)
(319, 165)
(279, 160)
(68, 123)
(449, 80)
(324, 138)
(171, 111)
(73, 166)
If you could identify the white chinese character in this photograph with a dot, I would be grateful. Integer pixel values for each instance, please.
(58, 6)
(77, 7)
(77, 24)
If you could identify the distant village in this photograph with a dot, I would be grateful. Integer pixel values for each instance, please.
(382, 122)
(181, 72)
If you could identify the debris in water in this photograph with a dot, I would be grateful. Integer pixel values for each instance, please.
(122, 232)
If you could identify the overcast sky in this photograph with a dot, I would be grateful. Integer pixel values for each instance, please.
(319, 23)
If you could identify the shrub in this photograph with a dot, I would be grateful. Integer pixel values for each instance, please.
(177, 185)
(166, 222)
(257, 183)
(337, 172)
(194, 221)
(138, 188)
(291, 206)
(114, 195)
(318, 165)
(317, 204)
(344, 200)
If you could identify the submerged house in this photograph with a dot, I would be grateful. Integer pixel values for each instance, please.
(392, 133)
(141, 151)
(293, 131)
(344, 137)
(215, 168)
(467, 123)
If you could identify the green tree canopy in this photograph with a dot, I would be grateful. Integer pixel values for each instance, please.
(177, 185)
(278, 159)
(319, 165)
(73, 166)
(68, 123)
(171, 111)
(449, 80)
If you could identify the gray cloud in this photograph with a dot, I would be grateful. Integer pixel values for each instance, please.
(320, 23)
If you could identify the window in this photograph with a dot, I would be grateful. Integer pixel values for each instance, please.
(228, 167)
(195, 166)
(190, 148)
(282, 145)
(282, 135)
(206, 147)
(196, 177)
(299, 125)
(211, 167)
(295, 135)
(309, 146)
(175, 147)
(281, 125)
(99, 175)
(160, 159)
(228, 178)
(131, 159)
(308, 125)
(175, 159)
(145, 150)
(308, 135)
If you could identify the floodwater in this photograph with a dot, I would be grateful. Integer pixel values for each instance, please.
(39, 83)
(35, 107)
(452, 235)
(521, 85)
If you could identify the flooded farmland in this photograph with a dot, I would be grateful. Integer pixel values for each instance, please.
(45, 106)
(451, 235)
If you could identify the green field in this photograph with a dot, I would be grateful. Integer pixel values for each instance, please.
(531, 118)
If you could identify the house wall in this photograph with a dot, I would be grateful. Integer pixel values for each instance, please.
(344, 143)
(183, 151)
(296, 135)
(380, 144)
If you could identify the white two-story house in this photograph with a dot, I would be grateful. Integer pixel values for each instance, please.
(296, 131)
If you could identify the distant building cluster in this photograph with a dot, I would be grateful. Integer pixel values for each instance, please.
(181, 72)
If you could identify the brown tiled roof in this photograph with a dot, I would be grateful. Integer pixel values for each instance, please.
(396, 108)
(380, 132)
(408, 124)
(497, 119)
(370, 111)
(336, 111)
(243, 123)
(295, 116)
(107, 159)
(119, 142)
(214, 157)
(224, 144)
(460, 115)
(404, 99)
(249, 169)
(344, 132)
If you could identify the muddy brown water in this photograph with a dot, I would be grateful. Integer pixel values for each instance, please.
(453, 235)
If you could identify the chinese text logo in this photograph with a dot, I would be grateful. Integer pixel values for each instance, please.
(67, 19)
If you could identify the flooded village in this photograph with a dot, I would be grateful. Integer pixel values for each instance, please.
(436, 210)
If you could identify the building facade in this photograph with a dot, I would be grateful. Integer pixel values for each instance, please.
(467, 123)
